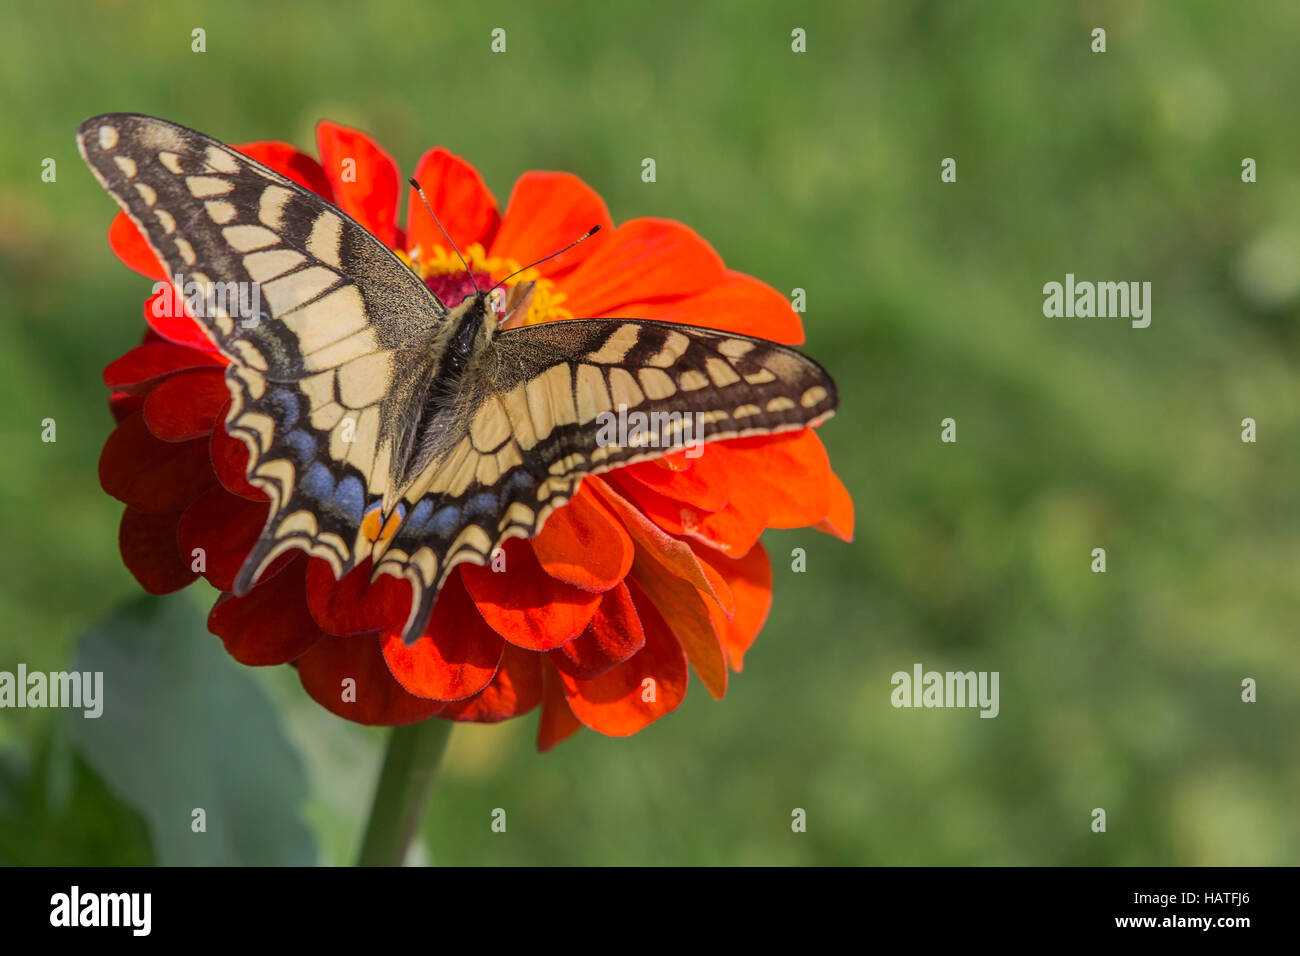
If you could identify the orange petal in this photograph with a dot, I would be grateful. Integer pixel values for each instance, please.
(637, 692)
(290, 163)
(457, 193)
(456, 656)
(682, 479)
(349, 677)
(750, 582)
(546, 212)
(167, 315)
(790, 477)
(364, 178)
(735, 303)
(129, 244)
(524, 604)
(584, 545)
(689, 613)
(558, 722)
(839, 519)
(613, 636)
(644, 259)
(516, 689)
(729, 529)
(675, 556)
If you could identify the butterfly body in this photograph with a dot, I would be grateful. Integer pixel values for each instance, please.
(385, 425)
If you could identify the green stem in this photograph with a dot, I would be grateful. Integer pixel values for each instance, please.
(410, 769)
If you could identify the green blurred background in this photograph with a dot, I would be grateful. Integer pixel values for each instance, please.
(820, 171)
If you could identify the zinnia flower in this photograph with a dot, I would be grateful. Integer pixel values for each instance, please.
(649, 568)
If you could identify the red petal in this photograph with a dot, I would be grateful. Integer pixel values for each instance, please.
(186, 406)
(167, 315)
(558, 722)
(735, 303)
(130, 246)
(226, 527)
(290, 163)
(839, 519)
(146, 364)
(750, 581)
(270, 624)
(516, 689)
(457, 193)
(613, 636)
(150, 551)
(644, 259)
(122, 404)
(546, 212)
(353, 604)
(456, 657)
(152, 475)
(584, 545)
(369, 192)
(616, 702)
(230, 461)
(524, 604)
(349, 677)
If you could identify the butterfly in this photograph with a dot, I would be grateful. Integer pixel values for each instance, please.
(385, 425)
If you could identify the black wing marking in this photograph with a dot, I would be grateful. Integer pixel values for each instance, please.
(530, 427)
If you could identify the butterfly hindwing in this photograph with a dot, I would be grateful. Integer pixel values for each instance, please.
(322, 373)
(536, 420)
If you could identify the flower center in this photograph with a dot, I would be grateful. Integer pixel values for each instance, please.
(443, 273)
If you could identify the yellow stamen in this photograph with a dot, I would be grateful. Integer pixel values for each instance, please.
(547, 304)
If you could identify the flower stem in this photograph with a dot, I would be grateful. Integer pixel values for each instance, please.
(410, 768)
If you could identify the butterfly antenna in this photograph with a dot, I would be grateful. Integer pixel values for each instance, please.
(586, 235)
(425, 200)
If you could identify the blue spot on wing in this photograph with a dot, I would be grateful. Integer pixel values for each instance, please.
(350, 497)
(318, 482)
(287, 404)
(302, 445)
(481, 505)
(419, 518)
(445, 521)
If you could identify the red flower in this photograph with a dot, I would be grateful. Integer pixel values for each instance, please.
(649, 567)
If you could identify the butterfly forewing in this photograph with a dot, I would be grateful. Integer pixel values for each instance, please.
(546, 410)
(321, 373)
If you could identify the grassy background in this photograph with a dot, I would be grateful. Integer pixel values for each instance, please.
(818, 171)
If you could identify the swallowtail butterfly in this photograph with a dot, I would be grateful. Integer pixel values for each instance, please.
(463, 433)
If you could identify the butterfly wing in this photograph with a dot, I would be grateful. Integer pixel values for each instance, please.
(321, 375)
(529, 428)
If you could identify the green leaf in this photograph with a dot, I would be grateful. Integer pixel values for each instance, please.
(185, 728)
